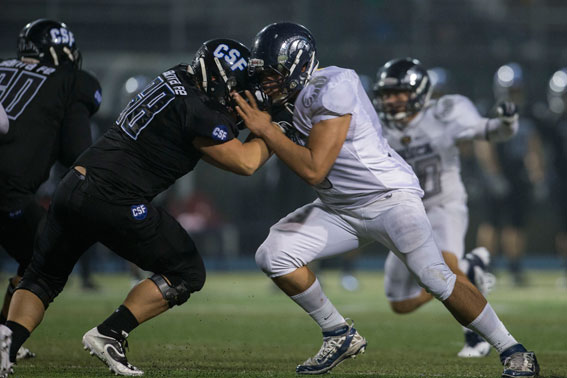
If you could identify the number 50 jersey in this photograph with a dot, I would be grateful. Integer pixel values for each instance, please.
(49, 109)
(429, 143)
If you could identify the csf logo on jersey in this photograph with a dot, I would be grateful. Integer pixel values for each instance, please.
(231, 57)
(220, 133)
(62, 36)
(139, 212)
(98, 97)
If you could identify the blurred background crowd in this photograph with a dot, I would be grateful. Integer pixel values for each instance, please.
(487, 50)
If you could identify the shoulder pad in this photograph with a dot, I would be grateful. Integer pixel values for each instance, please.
(88, 91)
(449, 107)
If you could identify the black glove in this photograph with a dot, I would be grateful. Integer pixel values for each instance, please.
(507, 112)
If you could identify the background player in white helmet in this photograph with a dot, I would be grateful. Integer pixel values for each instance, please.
(426, 133)
(366, 191)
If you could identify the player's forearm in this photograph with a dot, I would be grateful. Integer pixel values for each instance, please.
(4, 123)
(299, 159)
(255, 153)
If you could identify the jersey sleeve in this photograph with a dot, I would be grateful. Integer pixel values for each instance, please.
(87, 91)
(332, 98)
(206, 121)
(461, 116)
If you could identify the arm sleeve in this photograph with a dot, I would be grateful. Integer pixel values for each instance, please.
(462, 118)
(4, 122)
(75, 135)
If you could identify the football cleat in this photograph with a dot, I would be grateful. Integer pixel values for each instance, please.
(110, 351)
(338, 345)
(520, 364)
(24, 353)
(475, 346)
(5, 343)
(478, 274)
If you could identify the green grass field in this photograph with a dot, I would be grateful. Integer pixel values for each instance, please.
(239, 325)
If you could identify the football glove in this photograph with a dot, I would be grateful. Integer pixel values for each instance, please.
(507, 112)
(290, 132)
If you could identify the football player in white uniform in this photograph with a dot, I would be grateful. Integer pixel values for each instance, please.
(426, 133)
(366, 192)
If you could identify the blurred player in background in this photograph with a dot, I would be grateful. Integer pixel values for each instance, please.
(514, 175)
(48, 100)
(183, 115)
(555, 134)
(366, 191)
(427, 134)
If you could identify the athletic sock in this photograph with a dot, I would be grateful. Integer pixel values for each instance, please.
(319, 307)
(492, 329)
(19, 336)
(119, 324)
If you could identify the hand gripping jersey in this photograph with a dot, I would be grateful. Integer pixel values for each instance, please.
(150, 144)
(429, 144)
(366, 166)
(42, 103)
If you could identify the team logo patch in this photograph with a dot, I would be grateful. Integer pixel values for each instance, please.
(98, 97)
(139, 212)
(220, 133)
(313, 90)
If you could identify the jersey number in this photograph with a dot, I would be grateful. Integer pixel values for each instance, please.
(428, 172)
(144, 107)
(17, 90)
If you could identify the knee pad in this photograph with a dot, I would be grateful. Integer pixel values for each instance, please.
(438, 279)
(45, 290)
(276, 264)
(174, 290)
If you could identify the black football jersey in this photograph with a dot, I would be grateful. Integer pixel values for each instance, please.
(48, 108)
(150, 144)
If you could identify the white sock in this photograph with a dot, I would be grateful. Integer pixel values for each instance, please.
(319, 307)
(491, 328)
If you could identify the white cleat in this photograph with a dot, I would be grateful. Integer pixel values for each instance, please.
(5, 343)
(110, 351)
(475, 346)
(478, 274)
(24, 353)
(338, 345)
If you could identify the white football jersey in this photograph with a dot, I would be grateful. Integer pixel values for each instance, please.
(429, 144)
(366, 167)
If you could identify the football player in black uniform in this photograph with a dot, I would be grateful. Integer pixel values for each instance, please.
(185, 114)
(48, 100)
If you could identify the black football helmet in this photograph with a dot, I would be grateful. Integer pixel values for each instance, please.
(220, 66)
(50, 42)
(286, 51)
(401, 75)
